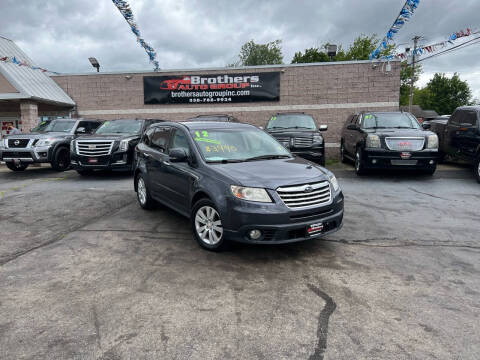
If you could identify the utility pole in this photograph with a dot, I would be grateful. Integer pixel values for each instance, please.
(412, 79)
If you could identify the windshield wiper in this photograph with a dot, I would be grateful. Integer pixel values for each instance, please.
(401, 127)
(277, 127)
(224, 161)
(267, 157)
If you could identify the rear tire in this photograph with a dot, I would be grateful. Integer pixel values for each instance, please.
(207, 226)
(16, 167)
(61, 159)
(477, 169)
(441, 157)
(359, 164)
(321, 162)
(143, 193)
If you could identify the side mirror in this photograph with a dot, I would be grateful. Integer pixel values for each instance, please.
(81, 130)
(323, 128)
(178, 155)
(426, 126)
(260, 127)
(352, 127)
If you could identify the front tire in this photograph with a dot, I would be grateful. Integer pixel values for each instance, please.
(61, 159)
(477, 169)
(359, 163)
(207, 226)
(16, 166)
(143, 193)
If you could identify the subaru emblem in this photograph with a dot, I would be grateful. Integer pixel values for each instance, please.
(16, 142)
(308, 189)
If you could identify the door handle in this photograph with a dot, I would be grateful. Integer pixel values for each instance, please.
(167, 163)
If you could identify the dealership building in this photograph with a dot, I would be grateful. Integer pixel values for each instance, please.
(328, 91)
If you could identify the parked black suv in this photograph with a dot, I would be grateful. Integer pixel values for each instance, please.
(388, 140)
(299, 133)
(235, 182)
(111, 147)
(224, 118)
(459, 136)
(49, 142)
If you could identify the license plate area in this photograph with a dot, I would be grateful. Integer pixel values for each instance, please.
(315, 229)
(92, 161)
(404, 162)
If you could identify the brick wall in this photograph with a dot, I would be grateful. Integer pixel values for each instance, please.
(328, 91)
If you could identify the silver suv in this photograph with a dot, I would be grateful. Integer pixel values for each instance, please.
(47, 143)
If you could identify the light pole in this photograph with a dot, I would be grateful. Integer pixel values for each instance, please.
(94, 63)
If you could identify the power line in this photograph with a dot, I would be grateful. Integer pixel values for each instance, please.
(465, 44)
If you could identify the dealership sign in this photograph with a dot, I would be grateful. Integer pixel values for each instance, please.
(218, 88)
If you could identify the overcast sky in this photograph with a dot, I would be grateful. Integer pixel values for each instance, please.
(61, 34)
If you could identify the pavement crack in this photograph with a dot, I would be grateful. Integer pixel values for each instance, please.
(98, 335)
(407, 243)
(323, 318)
(427, 194)
(61, 236)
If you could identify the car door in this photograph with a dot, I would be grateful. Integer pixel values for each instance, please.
(156, 158)
(346, 134)
(466, 135)
(450, 133)
(351, 136)
(179, 176)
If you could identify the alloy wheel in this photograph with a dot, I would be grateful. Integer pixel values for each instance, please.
(208, 225)
(141, 191)
(357, 161)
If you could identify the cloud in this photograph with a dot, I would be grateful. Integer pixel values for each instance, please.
(62, 34)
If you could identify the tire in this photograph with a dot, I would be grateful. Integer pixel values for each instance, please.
(204, 214)
(359, 165)
(143, 194)
(343, 159)
(441, 157)
(61, 159)
(16, 167)
(321, 162)
(477, 169)
(85, 172)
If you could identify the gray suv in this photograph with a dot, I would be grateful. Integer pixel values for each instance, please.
(47, 143)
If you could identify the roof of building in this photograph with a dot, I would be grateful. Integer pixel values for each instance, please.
(30, 83)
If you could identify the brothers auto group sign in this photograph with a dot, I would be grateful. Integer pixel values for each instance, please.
(217, 88)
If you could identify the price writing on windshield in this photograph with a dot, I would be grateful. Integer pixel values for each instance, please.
(220, 148)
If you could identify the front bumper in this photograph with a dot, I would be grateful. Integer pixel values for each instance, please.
(387, 159)
(314, 153)
(25, 155)
(279, 224)
(120, 161)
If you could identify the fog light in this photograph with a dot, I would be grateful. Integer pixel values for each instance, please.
(432, 162)
(374, 161)
(254, 234)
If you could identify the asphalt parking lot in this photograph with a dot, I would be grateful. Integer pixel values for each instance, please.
(86, 274)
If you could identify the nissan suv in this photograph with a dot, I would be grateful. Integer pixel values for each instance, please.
(235, 182)
(48, 143)
(111, 147)
(299, 133)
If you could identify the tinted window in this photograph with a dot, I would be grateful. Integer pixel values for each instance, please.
(389, 120)
(89, 126)
(454, 119)
(286, 121)
(160, 138)
(120, 127)
(147, 138)
(470, 117)
(179, 141)
(59, 126)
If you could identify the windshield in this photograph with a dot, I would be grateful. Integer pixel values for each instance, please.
(120, 127)
(291, 121)
(57, 126)
(40, 127)
(389, 120)
(218, 145)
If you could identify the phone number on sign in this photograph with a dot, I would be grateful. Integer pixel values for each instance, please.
(210, 100)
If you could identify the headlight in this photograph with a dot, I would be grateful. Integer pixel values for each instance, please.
(251, 194)
(373, 141)
(123, 145)
(317, 138)
(3, 143)
(432, 142)
(334, 182)
(72, 146)
(45, 142)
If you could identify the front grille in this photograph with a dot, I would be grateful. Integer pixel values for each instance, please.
(94, 147)
(284, 140)
(306, 195)
(18, 143)
(405, 144)
(303, 141)
(268, 234)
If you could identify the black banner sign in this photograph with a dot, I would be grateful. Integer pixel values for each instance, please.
(207, 89)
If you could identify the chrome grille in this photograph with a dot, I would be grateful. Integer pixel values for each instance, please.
(405, 144)
(284, 140)
(94, 147)
(18, 143)
(299, 196)
(303, 141)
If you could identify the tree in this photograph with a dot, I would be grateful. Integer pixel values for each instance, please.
(311, 55)
(405, 76)
(260, 54)
(444, 94)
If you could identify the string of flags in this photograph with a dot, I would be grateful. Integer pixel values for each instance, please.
(433, 47)
(14, 60)
(127, 13)
(405, 14)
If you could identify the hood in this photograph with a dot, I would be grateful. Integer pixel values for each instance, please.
(271, 174)
(291, 132)
(399, 132)
(109, 137)
(39, 135)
